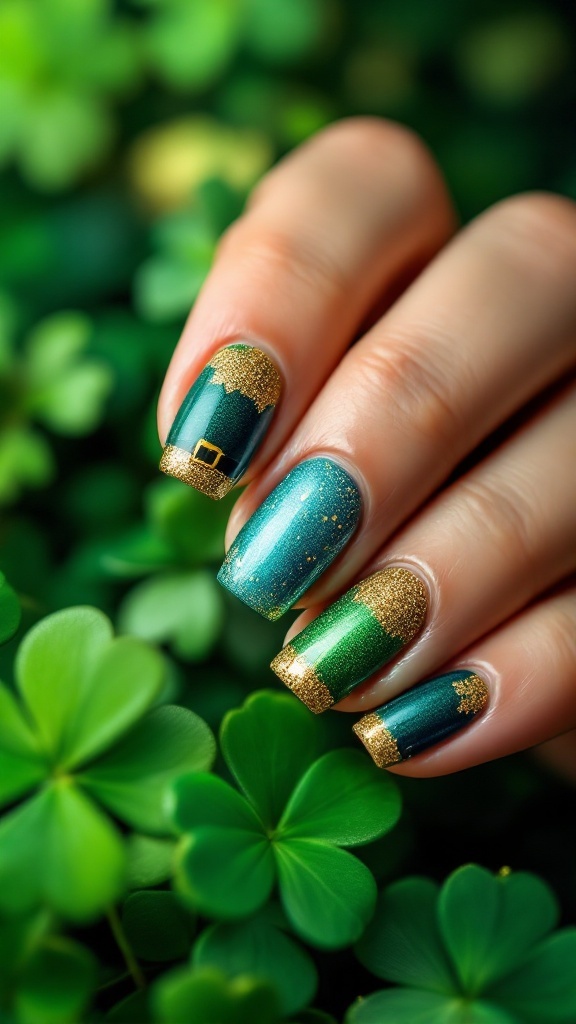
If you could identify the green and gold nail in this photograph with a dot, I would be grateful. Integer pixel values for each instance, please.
(222, 420)
(353, 638)
(422, 717)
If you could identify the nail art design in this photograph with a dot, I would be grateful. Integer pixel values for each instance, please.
(222, 420)
(422, 717)
(293, 537)
(353, 638)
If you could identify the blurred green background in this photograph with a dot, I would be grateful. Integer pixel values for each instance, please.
(130, 134)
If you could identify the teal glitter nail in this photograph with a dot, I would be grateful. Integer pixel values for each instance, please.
(222, 420)
(293, 537)
(422, 717)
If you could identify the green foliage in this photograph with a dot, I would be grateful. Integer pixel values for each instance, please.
(10, 611)
(83, 740)
(205, 995)
(294, 815)
(479, 949)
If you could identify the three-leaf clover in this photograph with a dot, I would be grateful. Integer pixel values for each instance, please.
(287, 826)
(476, 951)
(82, 740)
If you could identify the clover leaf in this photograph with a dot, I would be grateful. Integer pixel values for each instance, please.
(205, 995)
(45, 978)
(82, 740)
(478, 950)
(286, 827)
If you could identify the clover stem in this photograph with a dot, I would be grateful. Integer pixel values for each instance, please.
(125, 948)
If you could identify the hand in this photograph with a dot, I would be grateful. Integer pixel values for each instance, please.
(430, 466)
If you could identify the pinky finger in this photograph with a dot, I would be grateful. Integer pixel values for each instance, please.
(512, 690)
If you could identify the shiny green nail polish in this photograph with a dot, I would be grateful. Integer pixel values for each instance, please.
(293, 537)
(422, 717)
(353, 637)
(222, 420)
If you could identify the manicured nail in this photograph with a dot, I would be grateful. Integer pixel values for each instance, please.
(422, 717)
(222, 420)
(353, 638)
(293, 537)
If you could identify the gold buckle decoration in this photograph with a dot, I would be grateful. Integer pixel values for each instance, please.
(202, 443)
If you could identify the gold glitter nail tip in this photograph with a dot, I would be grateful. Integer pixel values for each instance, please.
(397, 598)
(299, 677)
(180, 464)
(378, 740)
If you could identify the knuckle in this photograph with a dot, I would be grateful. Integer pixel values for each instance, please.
(263, 251)
(540, 226)
(500, 509)
(418, 388)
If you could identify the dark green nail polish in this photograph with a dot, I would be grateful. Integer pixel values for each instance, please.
(293, 537)
(353, 637)
(422, 717)
(222, 420)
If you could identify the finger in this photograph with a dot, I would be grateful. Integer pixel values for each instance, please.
(499, 536)
(486, 326)
(328, 232)
(511, 691)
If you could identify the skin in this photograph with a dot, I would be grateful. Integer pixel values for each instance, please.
(463, 336)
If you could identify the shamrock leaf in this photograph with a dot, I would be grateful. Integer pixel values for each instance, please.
(10, 611)
(286, 827)
(205, 995)
(85, 733)
(185, 609)
(478, 950)
(260, 948)
(45, 978)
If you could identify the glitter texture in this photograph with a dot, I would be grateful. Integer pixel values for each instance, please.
(224, 417)
(378, 740)
(178, 463)
(292, 537)
(249, 371)
(363, 630)
(429, 713)
(473, 694)
(302, 680)
(397, 598)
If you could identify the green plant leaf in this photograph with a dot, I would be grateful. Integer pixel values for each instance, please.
(192, 527)
(543, 988)
(149, 861)
(204, 800)
(489, 923)
(206, 996)
(182, 609)
(327, 893)
(225, 872)
(268, 744)
(122, 686)
(21, 766)
(134, 777)
(405, 1006)
(10, 611)
(403, 942)
(55, 984)
(25, 461)
(191, 44)
(259, 949)
(59, 850)
(343, 799)
(53, 666)
(157, 926)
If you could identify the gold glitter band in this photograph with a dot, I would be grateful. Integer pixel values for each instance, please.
(179, 463)
(299, 677)
(378, 740)
(249, 371)
(473, 694)
(397, 599)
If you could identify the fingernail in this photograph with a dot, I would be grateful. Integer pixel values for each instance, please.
(353, 638)
(293, 537)
(422, 717)
(222, 420)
